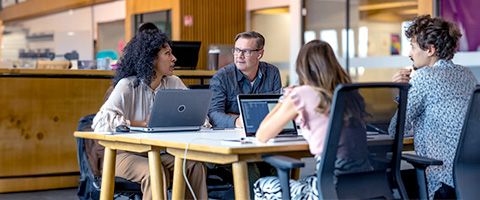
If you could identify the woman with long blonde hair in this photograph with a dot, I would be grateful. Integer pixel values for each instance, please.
(319, 73)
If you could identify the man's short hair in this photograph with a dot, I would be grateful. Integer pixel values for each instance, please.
(252, 34)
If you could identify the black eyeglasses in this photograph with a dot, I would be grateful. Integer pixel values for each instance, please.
(245, 52)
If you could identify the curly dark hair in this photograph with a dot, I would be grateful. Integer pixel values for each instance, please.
(442, 34)
(139, 56)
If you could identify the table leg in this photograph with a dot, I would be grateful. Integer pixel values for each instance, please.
(156, 175)
(178, 182)
(240, 180)
(108, 174)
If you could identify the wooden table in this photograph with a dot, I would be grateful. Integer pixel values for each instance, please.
(205, 146)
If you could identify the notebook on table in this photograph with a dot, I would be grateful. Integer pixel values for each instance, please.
(255, 107)
(178, 110)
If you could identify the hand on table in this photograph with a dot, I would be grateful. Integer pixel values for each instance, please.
(239, 122)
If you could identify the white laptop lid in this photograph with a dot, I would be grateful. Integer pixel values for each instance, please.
(178, 110)
(255, 107)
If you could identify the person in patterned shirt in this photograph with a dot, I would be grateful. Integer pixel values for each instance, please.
(437, 100)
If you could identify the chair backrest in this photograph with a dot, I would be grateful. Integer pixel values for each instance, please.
(466, 166)
(88, 187)
(357, 163)
(89, 183)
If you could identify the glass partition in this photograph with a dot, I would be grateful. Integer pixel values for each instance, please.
(326, 20)
(381, 47)
(367, 35)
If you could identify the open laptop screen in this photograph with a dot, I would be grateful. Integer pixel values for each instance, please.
(254, 108)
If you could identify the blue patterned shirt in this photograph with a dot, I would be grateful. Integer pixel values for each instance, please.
(229, 82)
(437, 104)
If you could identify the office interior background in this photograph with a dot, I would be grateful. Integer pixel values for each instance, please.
(41, 106)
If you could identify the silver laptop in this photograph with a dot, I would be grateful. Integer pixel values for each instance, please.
(255, 107)
(178, 110)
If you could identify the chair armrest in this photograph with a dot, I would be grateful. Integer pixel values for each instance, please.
(283, 162)
(419, 161)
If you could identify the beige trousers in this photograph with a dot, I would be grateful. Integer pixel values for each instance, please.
(135, 168)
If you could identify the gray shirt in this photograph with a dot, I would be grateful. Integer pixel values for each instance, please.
(229, 82)
(128, 103)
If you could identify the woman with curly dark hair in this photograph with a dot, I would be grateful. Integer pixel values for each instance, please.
(438, 98)
(145, 68)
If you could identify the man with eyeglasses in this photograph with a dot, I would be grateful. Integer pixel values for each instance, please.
(246, 75)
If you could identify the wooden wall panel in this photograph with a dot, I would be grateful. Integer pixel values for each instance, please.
(214, 22)
(40, 110)
(36, 8)
(1, 38)
(425, 7)
(38, 118)
(146, 6)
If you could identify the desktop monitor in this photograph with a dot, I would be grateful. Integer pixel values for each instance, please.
(186, 53)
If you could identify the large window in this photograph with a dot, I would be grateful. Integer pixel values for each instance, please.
(162, 19)
(367, 35)
(325, 20)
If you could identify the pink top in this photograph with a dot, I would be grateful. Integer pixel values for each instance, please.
(314, 124)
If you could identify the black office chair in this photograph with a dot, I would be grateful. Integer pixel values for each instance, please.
(372, 169)
(466, 166)
(219, 182)
(89, 184)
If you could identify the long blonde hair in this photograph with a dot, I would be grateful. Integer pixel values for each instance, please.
(318, 67)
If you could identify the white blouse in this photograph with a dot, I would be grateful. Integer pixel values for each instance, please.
(128, 103)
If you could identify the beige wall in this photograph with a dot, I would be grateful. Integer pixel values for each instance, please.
(262, 4)
(73, 30)
(295, 33)
(275, 29)
(108, 12)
